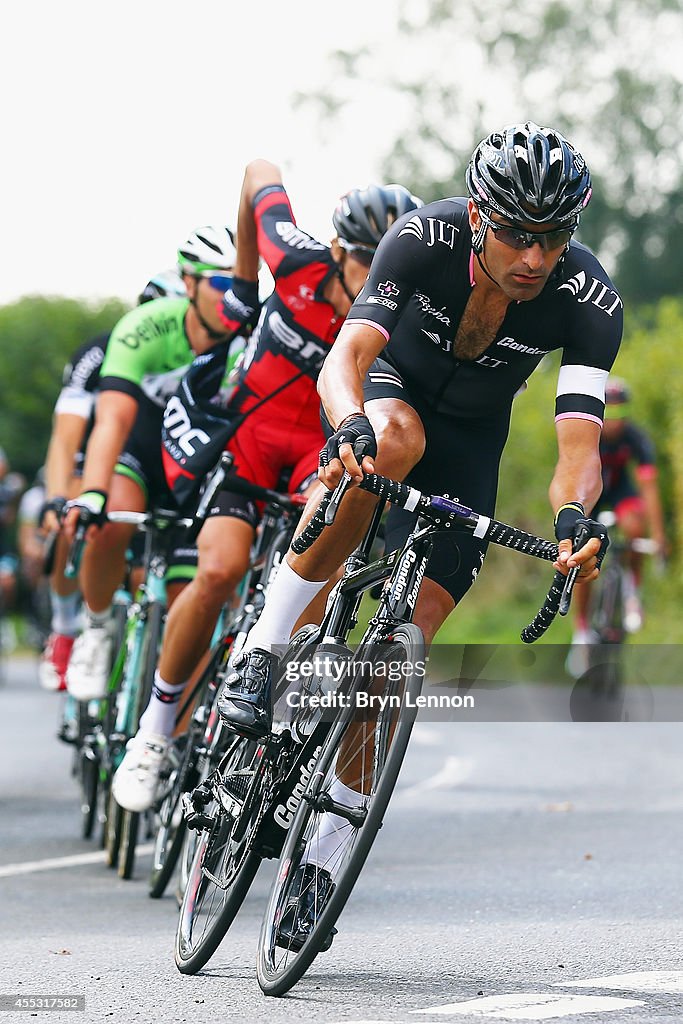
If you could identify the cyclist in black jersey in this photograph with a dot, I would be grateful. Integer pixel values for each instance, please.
(463, 299)
(630, 490)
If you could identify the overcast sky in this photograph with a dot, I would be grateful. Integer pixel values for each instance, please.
(127, 125)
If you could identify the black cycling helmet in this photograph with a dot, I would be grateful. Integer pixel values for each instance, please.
(363, 215)
(529, 174)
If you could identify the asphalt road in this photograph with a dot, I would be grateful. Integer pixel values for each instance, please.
(526, 871)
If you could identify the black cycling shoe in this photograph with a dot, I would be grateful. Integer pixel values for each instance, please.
(245, 703)
(311, 889)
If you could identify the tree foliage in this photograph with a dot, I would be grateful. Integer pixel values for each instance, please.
(608, 76)
(37, 337)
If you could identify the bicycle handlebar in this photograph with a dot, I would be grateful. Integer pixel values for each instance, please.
(443, 511)
(162, 518)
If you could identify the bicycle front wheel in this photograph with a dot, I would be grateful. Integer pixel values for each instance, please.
(224, 863)
(331, 835)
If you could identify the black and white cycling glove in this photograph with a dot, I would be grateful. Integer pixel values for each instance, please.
(355, 430)
(572, 524)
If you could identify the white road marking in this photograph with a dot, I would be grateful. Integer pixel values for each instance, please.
(423, 736)
(56, 863)
(452, 773)
(641, 981)
(532, 1006)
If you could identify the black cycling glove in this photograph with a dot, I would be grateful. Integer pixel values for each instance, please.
(90, 507)
(55, 505)
(571, 523)
(355, 430)
(240, 307)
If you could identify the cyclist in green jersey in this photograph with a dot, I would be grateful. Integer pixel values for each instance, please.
(149, 350)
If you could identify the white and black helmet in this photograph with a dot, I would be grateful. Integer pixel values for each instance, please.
(529, 174)
(165, 284)
(364, 215)
(208, 248)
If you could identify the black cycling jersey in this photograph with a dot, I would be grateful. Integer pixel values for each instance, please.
(81, 378)
(416, 294)
(80, 384)
(633, 447)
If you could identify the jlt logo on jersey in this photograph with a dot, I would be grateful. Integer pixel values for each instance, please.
(598, 293)
(437, 231)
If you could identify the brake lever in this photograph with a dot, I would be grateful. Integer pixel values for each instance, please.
(342, 487)
(573, 574)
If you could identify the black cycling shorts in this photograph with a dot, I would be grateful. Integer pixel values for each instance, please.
(461, 459)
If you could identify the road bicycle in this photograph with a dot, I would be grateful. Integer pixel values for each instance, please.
(280, 797)
(193, 755)
(615, 615)
(114, 720)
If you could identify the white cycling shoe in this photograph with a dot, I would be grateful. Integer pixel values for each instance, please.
(578, 657)
(135, 783)
(90, 664)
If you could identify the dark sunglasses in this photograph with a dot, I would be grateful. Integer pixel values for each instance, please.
(518, 239)
(221, 282)
(363, 253)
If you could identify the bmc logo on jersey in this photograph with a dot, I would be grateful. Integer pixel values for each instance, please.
(292, 340)
(597, 293)
(177, 424)
(292, 235)
(437, 231)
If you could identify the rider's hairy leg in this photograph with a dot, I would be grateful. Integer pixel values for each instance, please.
(224, 544)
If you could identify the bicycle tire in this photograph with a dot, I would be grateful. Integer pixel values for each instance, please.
(213, 855)
(278, 972)
(169, 839)
(171, 831)
(113, 827)
(89, 774)
(151, 640)
(130, 827)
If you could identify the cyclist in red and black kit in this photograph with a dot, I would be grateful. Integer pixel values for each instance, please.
(631, 491)
(463, 300)
(315, 285)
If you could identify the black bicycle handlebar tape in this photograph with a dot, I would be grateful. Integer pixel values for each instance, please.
(520, 540)
(547, 613)
(313, 528)
(49, 554)
(241, 486)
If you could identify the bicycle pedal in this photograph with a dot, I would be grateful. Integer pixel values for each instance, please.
(194, 819)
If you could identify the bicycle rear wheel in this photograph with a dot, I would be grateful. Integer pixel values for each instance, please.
(324, 851)
(224, 864)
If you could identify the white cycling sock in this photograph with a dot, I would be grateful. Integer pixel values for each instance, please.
(288, 596)
(327, 847)
(65, 613)
(159, 715)
(98, 619)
